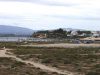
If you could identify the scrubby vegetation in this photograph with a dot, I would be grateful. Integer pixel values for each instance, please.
(8, 66)
(82, 59)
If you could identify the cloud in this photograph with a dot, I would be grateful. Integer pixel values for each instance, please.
(18, 10)
(50, 13)
(45, 2)
(67, 3)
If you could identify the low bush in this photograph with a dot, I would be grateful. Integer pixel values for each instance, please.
(79, 69)
(17, 64)
(46, 61)
(97, 66)
(27, 72)
(67, 62)
(54, 73)
(54, 65)
(59, 58)
(93, 73)
(42, 73)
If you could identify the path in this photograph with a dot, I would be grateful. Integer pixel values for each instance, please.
(65, 45)
(2, 54)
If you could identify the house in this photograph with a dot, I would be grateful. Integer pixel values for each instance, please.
(95, 34)
(83, 34)
(74, 33)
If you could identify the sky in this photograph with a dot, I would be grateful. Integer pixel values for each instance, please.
(51, 14)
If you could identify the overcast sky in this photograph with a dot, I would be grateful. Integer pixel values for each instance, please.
(51, 14)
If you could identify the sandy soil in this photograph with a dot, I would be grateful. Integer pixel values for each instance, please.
(44, 67)
(65, 45)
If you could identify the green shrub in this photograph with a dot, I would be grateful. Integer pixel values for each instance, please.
(4, 58)
(54, 73)
(47, 61)
(79, 70)
(54, 65)
(97, 66)
(59, 58)
(42, 73)
(76, 64)
(67, 62)
(38, 68)
(41, 57)
(27, 72)
(33, 68)
(93, 73)
(13, 66)
(17, 64)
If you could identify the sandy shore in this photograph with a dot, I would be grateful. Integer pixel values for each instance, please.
(65, 45)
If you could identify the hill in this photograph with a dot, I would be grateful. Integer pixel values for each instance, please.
(4, 29)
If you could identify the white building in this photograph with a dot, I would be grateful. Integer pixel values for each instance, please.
(95, 33)
(83, 34)
(74, 33)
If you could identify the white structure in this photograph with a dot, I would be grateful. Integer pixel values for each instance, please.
(95, 33)
(74, 33)
(83, 34)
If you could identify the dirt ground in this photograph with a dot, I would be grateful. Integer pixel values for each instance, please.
(65, 45)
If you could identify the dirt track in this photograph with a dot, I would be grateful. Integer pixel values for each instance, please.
(65, 45)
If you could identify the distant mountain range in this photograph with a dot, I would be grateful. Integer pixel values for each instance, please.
(5, 29)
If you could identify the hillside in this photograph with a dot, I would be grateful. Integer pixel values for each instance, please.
(4, 29)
